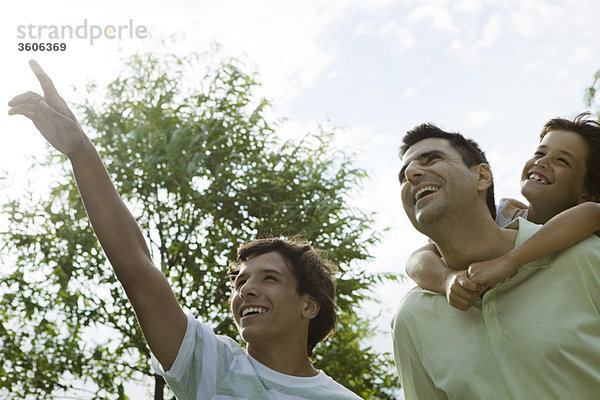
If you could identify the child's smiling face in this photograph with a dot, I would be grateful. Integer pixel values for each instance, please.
(553, 179)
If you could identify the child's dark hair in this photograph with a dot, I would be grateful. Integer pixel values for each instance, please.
(589, 130)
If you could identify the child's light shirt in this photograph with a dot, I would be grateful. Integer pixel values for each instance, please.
(508, 210)
(210, 366)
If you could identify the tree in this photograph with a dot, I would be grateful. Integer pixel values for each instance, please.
(203, 171)
(591, 93)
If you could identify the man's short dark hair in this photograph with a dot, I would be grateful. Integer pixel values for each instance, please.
(589, 130)
(313, 271)
(469, 150)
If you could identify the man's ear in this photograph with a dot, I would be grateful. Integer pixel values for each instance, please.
(484, 176)
(311, 307)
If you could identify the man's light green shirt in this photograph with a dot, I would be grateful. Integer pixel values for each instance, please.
(536, 336)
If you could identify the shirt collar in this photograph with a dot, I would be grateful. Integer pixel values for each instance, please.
(525, 230)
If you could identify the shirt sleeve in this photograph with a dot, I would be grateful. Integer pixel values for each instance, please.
(416, 382)
(417, 385)
(193, 375)
(183, 357)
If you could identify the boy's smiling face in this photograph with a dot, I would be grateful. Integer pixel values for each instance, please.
(266, 305)
(553, 179)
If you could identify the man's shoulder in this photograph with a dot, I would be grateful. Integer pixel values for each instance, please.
(414, 297)
(576, 265)
(526, 229)
(413, 304)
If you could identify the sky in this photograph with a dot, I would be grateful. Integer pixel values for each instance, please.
(493, 70)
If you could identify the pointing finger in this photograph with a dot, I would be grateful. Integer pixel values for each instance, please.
(27, 97)
(45, 81)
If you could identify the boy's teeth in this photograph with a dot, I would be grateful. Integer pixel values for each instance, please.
(536, 178)
(249, 310)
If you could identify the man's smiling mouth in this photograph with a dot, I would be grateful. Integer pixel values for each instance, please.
(425, 191)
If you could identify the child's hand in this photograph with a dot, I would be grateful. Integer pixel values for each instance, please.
(491, 272)
(50, 114)
(461, 292)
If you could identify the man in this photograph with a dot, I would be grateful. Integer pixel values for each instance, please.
(534, 336)
(282, 302)
(561, 182)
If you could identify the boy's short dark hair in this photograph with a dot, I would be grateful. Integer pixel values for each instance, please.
(314, 273)
(589, 130)
(469, 150)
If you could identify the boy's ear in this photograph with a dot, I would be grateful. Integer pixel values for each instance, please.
(484, 176)
(311, 307)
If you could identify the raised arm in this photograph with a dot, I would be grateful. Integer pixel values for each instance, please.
(161, 318)
(561, 231)
(427, 269)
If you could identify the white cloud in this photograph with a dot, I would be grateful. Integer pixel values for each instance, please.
(364, 28)
(471, 7)
(438, 13)
(409, 93)
(581, 54)
(288, 40)
(399, 32)
(532, 65)
(530, 18)
(562, 74)
(470, 45)
(491, 31)
(478, 118)
(296, 129)
(457, 46)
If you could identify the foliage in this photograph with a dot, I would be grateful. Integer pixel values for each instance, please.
(590, 96)
(203, 171)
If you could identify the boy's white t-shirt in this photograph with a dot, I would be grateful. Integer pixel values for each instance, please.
(216, 367)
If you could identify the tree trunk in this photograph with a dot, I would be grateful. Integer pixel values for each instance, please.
(159, 386)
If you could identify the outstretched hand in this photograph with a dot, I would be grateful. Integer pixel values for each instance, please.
(50, 114)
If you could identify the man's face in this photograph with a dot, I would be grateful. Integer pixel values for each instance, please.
(434, 181)
(265, 303)
(553, 179)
